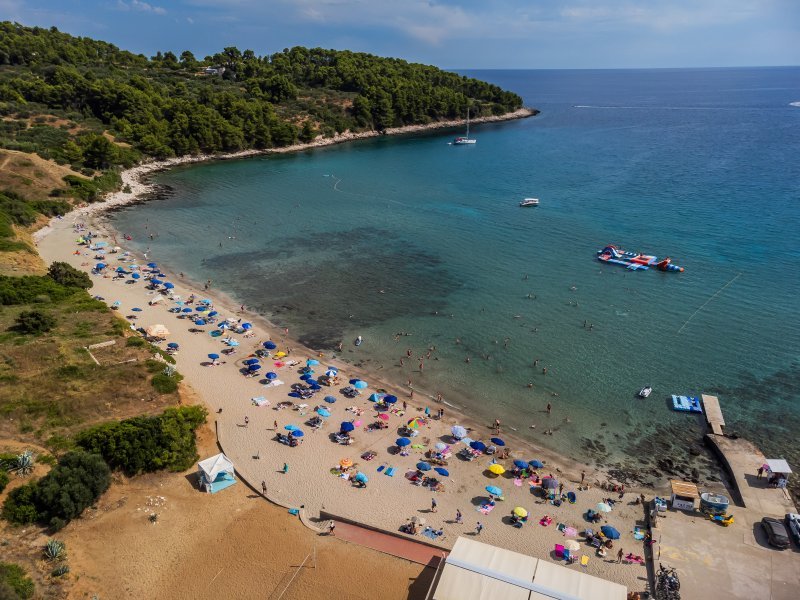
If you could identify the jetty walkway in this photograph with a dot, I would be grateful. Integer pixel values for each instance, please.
(736, 561)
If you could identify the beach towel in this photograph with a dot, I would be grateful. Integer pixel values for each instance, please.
(294, 511)
(545, 521)
(560, 550)
(518, 482)
(571, 497)
(584, 560)
(381, 468)
(390, 472)
(429, 533)
(638, 533)
(485, 509)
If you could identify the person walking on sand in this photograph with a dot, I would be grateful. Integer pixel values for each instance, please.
(264, 488)
(433, 505)
(478, 528)
(459, 516)
(583, 476)
(620, 554)
(331, 527)
(760, 472)
(246, 421)
(285, 468)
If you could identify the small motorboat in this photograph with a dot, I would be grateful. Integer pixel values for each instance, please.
(529, 202)
(358, 341)
(645, 391)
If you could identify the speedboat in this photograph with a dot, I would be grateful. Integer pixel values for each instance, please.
(530, 202)
(645, 391)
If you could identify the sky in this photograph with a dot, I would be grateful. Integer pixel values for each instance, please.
(452, 34)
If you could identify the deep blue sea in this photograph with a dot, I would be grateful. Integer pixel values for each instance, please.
(412, 235)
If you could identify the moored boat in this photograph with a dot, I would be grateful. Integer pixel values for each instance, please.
(645, 391)
(530, 202)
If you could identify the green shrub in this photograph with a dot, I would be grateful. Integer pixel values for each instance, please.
(55, 550)
(3, 480)
(34, 322)
(31, 288)
(166, 384)
(69, 276)
(13, 576)
(145, 444)
(135, 342)
(19, 507)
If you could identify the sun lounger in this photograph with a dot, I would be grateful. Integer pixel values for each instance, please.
(390, 471)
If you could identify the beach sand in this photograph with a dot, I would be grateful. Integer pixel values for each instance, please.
(386, 502)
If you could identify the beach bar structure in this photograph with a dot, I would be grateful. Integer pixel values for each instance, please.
(215, 473)
(477, 571)
(778, 471)
(685, 495)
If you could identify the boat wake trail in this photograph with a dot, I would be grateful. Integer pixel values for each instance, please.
(796, 104)
(660, 107)
(717, 293)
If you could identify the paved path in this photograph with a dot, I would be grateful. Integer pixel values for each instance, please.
(389, 544)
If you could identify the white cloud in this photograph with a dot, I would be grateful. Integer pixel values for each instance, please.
(140, 7)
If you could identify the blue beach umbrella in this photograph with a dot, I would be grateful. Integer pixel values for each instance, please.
(423, 466)
(213, 356)
(233, 343)
(133, 267)
(347, 426)
(374, 397)
(100, 266)
(250, 361)
(521, 464)
(213, 313)
(389, 399)
(290, 427)
(360, 385)
(610, 532)
(494, 490)
(312, 382)
(549, 483)
(536, 464)
(173, 345)
(442, 471)
(153, 281)
(333, 368)
(362, 478)
(254, 368)
(269, 345)
(402, 442)
(330, 399)
(476, 445)
(120, 269)
(271, 375)
(305, 376)
(323, 412)
(152, 265)
(200, 322)
(136, 309)
(331, 373)
(169, 285)
(200, 309)
(247, 326)
(312, 362)
(498, 442)
(186, 310)
(297, 433)
(135, 276)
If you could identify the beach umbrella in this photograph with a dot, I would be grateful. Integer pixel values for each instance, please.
(331, 373)
(572, 545)
(213, 356)
(520, 464)
(152, 265)
(206, 301)
(120, 269)
(323, 412)
(360, 385)
(200, 322)
(383, 417)
(247, 326)
(330, 399)
(347, 426)
(312, 362)
(345, 463)
(213, 313)
(440, 446)
(186, 310)
(101, 244)
(297, 433)
(520, 512)
(413, 424)
(153, 281)
(223, 326)
(610, 532)
(233, 343)
(169, 285)
(135, 276)
(305, 377)
(476, 445)
(269, 345)
(100, 266)
(536, 464)
(458, 431)
(497, 469)
(250, 361)
(494, 490)
(374, 397)
(271, 375)
(423, 466)
(280, 364)
(136, 309)
(200, 308)
(290, 427)
(442, 471)
(157, 330)
(173, 345)
(389, 399)
(312, 382)
(253, 368)
(402, 442)
(133, 267)
(603, 507)
(280, 354)
(498, 442)
(332, 368)
(549, 483)
(361, 477)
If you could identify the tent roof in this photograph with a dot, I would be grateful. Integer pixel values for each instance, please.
(684, 488)
(778, 465)
(477, 571)
(215, 465)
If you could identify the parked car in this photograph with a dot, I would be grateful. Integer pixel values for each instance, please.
(776, 532)
(793, 525)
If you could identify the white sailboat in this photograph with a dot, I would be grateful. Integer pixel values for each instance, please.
(460, 141)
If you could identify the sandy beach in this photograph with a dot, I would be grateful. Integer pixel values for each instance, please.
(247, 433)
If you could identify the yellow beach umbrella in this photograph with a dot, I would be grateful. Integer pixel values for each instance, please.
(345, 463)
(280, 354)
(520, 512)
(497, 469)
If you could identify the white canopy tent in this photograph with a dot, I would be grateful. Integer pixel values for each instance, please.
(778, 465)
(215, 473)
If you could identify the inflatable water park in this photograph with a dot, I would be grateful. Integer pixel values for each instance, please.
(635, 261)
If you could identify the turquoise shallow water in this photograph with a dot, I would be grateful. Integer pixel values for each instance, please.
(414, 235)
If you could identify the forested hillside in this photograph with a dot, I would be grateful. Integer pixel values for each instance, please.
(170, 105)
